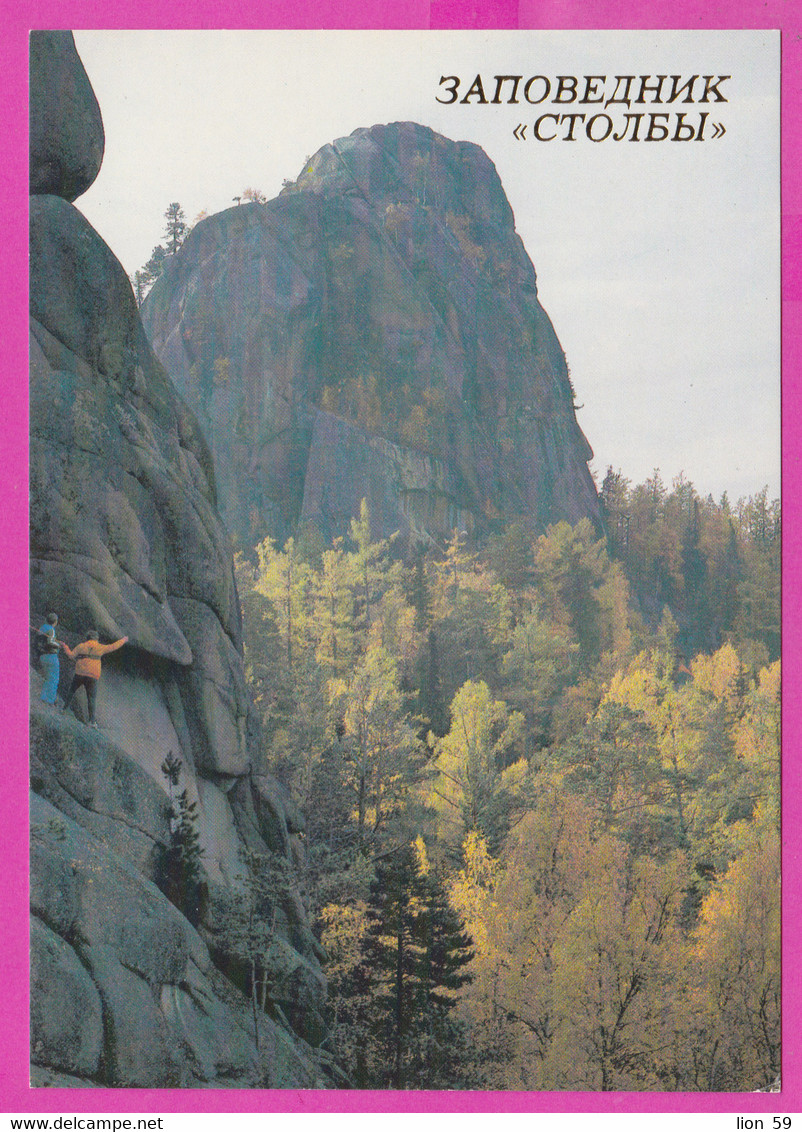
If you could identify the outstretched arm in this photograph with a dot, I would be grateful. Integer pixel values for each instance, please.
(113, 647)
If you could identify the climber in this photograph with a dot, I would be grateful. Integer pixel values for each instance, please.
(87, 669)
(48, 649)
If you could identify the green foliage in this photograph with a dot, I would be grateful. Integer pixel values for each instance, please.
(251, 939)
(175, 227)
(175, 232)
(614, 764)
(141, 281)
(511, 557)
(414, 951)
(469, 793)
(594, 724)
(538, 667)
(571, 565)
(179, 872)
(431, 702)
(418, 594)
(714, 566)
(378, 745)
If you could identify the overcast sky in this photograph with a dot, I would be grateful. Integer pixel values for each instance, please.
(658, 263)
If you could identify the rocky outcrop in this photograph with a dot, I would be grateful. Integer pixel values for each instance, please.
(374, 332)
(126, 539)
(66, 129)
(123, 990)
(124, 532)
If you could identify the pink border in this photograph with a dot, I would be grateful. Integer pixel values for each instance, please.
(15, 1096)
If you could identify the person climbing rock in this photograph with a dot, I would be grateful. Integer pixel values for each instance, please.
(48, 648)
(87, 669)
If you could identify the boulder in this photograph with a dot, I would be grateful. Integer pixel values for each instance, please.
(66, 129)
(66, 1009)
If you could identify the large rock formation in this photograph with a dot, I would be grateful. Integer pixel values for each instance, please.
(66, 129)
(126, 538)
(374, 331)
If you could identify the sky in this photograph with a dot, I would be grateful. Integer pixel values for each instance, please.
(657, 263)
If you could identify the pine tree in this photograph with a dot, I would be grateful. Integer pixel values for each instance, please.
(439, 1050)
(143, 279)
(175, 233)
(284, 578)
(615, 764)
(155, 265)
(369, 564)
(140, 281)
(334, 612)
(179, 872)
(431, 701)
(176, 227)
(694, 571)
(418, 593)
(415, 950)
(511, 557)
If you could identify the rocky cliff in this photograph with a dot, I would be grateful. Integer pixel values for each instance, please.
(374, 331)
(126, 538)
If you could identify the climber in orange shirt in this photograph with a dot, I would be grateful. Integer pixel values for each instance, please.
(87, 669)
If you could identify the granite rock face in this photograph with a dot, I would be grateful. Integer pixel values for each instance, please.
(124, 531)
(374, 332)
(126, 538)
(124, 992)
(66, 129)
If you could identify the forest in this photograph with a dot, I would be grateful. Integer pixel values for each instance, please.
(540, 778)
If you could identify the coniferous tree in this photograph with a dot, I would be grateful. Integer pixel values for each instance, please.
(440, 1049)
(511, 557)
(416, 951)
(141, 281)
(432, 703)
(379, 751)
(369, 565)
(179, 872)
(175, 227)
(175, 232)
(418, 593)
(250, 935)
(614, 504)
(155, 265)
(615, 765)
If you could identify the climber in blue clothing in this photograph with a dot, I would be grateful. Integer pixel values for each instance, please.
(48, 657)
